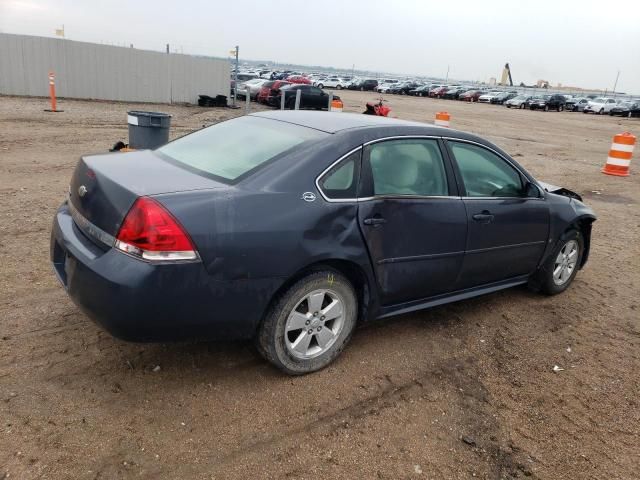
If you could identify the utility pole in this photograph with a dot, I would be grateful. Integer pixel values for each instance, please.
(615, 84)
(447, 77)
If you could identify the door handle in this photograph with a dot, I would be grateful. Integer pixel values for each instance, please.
(374, 221)
(484, 217)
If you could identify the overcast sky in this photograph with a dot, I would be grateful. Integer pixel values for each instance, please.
(573, 42)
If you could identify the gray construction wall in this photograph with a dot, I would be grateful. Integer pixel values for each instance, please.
(104, 72)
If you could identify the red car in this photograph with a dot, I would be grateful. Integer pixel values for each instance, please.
(438, 92)
(298, 79)
(471, 95)
(270, 89)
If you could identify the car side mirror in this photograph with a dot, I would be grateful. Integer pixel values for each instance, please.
(531, 190)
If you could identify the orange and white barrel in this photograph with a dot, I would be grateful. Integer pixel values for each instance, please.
(336, 105)
(442, 119)
(620, 154)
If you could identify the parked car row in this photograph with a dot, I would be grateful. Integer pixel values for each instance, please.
(513, 99)
(267, 91)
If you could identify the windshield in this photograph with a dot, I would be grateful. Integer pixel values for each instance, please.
(232, 148)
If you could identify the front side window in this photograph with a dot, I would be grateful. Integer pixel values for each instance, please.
(407, 167)
(484, 173)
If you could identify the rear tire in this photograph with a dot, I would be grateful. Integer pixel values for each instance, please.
(283, 337)
(560, 108)
(561, 267)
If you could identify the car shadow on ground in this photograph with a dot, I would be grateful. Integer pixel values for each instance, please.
(216, 361)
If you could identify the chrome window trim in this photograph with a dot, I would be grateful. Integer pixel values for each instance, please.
(410, 197)
(401, 137)
(405, 137)
(317, 182)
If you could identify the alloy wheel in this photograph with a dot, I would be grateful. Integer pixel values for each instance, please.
(565, 263)
(314, 324)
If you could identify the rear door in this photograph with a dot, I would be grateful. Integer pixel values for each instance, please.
(316, 98)
(507, 230)
(413, 221)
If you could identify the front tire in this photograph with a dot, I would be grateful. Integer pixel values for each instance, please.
(561, 267)
(309, 325)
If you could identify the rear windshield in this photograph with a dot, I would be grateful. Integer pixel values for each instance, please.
(230, 149)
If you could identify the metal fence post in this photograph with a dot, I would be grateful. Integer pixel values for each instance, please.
(298, 94)
(247, 100)
(282, 98)
(330, 101)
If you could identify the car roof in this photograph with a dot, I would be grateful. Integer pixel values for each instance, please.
(333, 122)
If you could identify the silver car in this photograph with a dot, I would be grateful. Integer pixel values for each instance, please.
(517, 102)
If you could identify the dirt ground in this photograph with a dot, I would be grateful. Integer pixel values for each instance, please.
(455, 392)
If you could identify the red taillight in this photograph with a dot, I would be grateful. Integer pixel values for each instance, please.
(150, 232)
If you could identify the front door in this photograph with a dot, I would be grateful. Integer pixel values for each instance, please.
(508, 230)
(412, 220)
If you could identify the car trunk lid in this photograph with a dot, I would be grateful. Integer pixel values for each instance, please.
(104, 187)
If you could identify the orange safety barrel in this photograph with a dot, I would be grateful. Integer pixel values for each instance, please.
(620, 154)
(442, 119)
(336, 105)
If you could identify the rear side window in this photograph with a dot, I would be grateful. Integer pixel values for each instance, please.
(407, 167)
(342, 180)
(233, 148)
(484, 173)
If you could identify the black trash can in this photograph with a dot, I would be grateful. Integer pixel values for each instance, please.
(148, 130)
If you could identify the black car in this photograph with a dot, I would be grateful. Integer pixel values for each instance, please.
(548, 102)
(291, 227)
(454, 93)
(310, 97)
(364, 85)
(421, 91)
(626, 109)
(403, 88)
(503, 97)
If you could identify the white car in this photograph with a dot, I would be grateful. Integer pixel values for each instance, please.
(600, 105)
(252, 86)
(384, 87)
(332, 82)
(486, 98)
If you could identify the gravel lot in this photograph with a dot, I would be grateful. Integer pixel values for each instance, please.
(460, 391)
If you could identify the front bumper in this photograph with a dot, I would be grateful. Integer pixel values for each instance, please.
(139, 301)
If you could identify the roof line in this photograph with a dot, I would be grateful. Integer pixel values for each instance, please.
(292, 123)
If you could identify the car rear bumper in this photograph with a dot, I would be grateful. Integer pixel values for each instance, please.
(139, 301)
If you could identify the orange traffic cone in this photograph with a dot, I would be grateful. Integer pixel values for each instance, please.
(620, 155)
